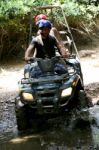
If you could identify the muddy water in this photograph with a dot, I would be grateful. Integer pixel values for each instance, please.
(54, 134)
(73, 131)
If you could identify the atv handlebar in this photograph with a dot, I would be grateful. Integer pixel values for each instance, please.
(55, 58)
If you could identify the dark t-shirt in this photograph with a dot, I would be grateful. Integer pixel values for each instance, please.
(44, 47)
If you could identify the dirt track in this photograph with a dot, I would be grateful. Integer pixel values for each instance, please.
(90, 69)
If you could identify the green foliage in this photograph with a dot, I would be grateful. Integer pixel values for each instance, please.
(85, 2)
(12, 8)
(13, 19)
(75, 8)
(80, 14)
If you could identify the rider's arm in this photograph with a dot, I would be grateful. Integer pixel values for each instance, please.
(28, 52)
(54, 32)
(30, 49)
(64, 52)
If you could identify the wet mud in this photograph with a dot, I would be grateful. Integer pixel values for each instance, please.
(75, 130)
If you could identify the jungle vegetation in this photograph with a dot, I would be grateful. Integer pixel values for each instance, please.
(14, 21)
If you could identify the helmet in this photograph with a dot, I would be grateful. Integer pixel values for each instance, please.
(44, 23)
(39, 17)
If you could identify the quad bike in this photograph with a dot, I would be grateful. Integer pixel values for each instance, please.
(51, 92)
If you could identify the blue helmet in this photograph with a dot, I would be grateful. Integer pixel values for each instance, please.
(44, 23)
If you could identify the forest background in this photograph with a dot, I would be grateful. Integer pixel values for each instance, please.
(82, 16)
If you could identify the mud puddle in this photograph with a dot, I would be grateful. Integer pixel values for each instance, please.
(73, 131)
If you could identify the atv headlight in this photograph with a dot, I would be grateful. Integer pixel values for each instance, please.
(66, 92)
(28, 96)
(71, 70)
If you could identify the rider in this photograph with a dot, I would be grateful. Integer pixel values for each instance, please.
(54, 32)
(44, 43)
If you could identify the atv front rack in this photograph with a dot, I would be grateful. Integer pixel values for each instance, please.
(42, 79)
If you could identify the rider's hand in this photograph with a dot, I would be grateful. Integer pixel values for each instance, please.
(28, 59)
(65, 54)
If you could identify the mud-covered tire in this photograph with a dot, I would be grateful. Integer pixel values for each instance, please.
(82, 99)
(22, 118)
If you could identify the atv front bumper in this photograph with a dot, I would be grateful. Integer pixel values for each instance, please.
(46, 106)
(48, 97)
